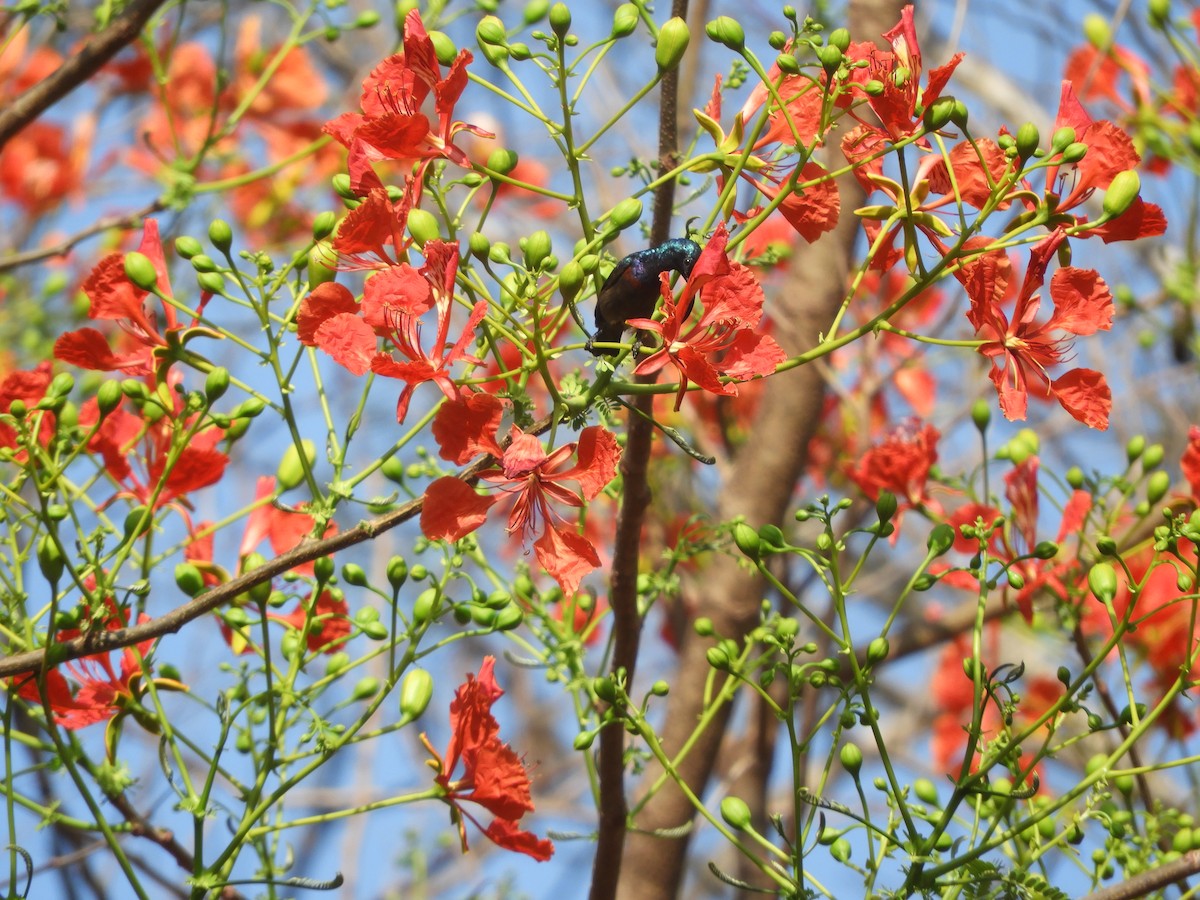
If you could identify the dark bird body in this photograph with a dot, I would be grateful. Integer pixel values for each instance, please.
(632, 288)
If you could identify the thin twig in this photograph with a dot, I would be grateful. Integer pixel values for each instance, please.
(62, 248)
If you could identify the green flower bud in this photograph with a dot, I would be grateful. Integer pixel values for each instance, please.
(885, 506)
(425, 607)
(1028, 139)
(220, 235)
(840, 850)
(941, 539)
(787, 64)
(1157, 486)
(367, 687)
(851, 758)
(717, 658)
(50, 559)
(959, 114)
(878, 650)
(584, 740)
(337, 663)
(772, 535)
(323, 225)
(1075, 477)
(1121, 193)
(1045, 550)
(1016, 580)
(211, 282)
(323, 572)
(839, 38)
(625, 213)
(1096, 30)
(416, 690)
(570, 282)
(422, 226)
(319, 270)
(397, 572)
(1073, 153)
(703, 626)
(479, 245)
(490, 32)
(604, 688)
(938, 113)
(560, 19)
(443, 47)
(673, 39)
(535, 11)
(981, 414)
(925, 790)
(1062, 139)
(108, 397)
(1152, 457)
(736, 813)
(625, 20)
(536, 247)
(352, 573)
(509, 617)
(341, 187)
(187, 247)
(660, 688)
(1135, 447)
(188, 579)
(140, 270)
(137, 521)
(1158, 13)
(1102, 581)
(727, 31)
(250, 409)
(216, 384)
(291, 468)
(747, 540)
(1106, 546)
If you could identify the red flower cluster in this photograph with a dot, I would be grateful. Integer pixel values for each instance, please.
(467, 427)
(724, 343)
(493, 776)
(899, 464)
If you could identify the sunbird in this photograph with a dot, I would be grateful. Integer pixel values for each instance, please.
(631, 290)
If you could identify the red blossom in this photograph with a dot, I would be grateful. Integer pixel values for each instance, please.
(327, 621)
(900, 464)
(1023, 349)
(453, 509)
(28, 386)
(393, 124)
(724, 343)
(492, 775)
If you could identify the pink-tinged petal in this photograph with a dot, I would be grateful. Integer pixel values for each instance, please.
(1082, 301)
(151, 247)
(938, 79)
(500, 778)
(735, 298)
(452, 509)
(349, 340)
(324, 301)
(1013, 399)
(1070, 110)
(696, 368)
(567, 556)
(523, 454)
(1085, 395)
(751, 354)
(1074, 514)
(467, 427)
(970, 177)
(506, 834)
(919, 389)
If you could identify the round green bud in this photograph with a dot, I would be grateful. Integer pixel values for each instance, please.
(220, 235)
(509, 617)
(137, 521)
(62, 384)
(187, 247)
(291, 467)
(584, 740)
(519, 51)
(1015, 579)
(1158, 13)
(1102, 581)
(341, 187)
(1152, 457)
(1135, 447)
(560, 19)
(660, 688)
(938, 113)
(1028, 139)
(981, 414)
(397, 572)
(941, 539)
(839, 38)
(416, 690)
(1045, 550)
(323, 572)
(1157, 486)
(885, 506)
(851, 758)
(625, 20)
(925, 790)
(570, 282)
(425, 607)
(490, 32)
(535, 11)
(140, 270)
(319, 270)
(736, 813)
(188, 579)
(337, 663)
(1121, 193)
(50, 559)
(365, 688)
(211, 282)
(727, 31)
(625, 213)
(840, 850)
(1073, 153)
(352, 573)
(673, 40)
(216, 384)
(703, 626)
(1106, 546)
(1075, 477)
(604, 689)
(878, 650)
(1096, 30)
(1062, 139)
(422, 226)
(772, 535)
(443, 47)
(202, 262)
(747, 540)
(717, 658)
(108, 397)
(479, 245)
(536, 247)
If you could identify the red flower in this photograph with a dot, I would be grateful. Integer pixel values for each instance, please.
(394, 300)
(493, 776)
(1023, 349)
(28, 386)
(899, 464)
(724, 341)
(452, 509)
(392, 124)
(1190, 463)
(282, 528)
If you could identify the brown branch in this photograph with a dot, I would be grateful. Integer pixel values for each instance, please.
(307, 551)
(613, 810)
(62, 248)
(1147, 882)
(81, 66)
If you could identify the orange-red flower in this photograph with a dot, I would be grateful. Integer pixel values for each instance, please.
(492, 774)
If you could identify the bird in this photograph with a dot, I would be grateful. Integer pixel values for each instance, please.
(631, 290)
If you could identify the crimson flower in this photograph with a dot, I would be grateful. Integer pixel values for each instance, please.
(724, 342)
(28, 386)
(1023, 349)
(392, 124)
(394, 301)
(899, 464)
(492, 776)
(452, 509)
